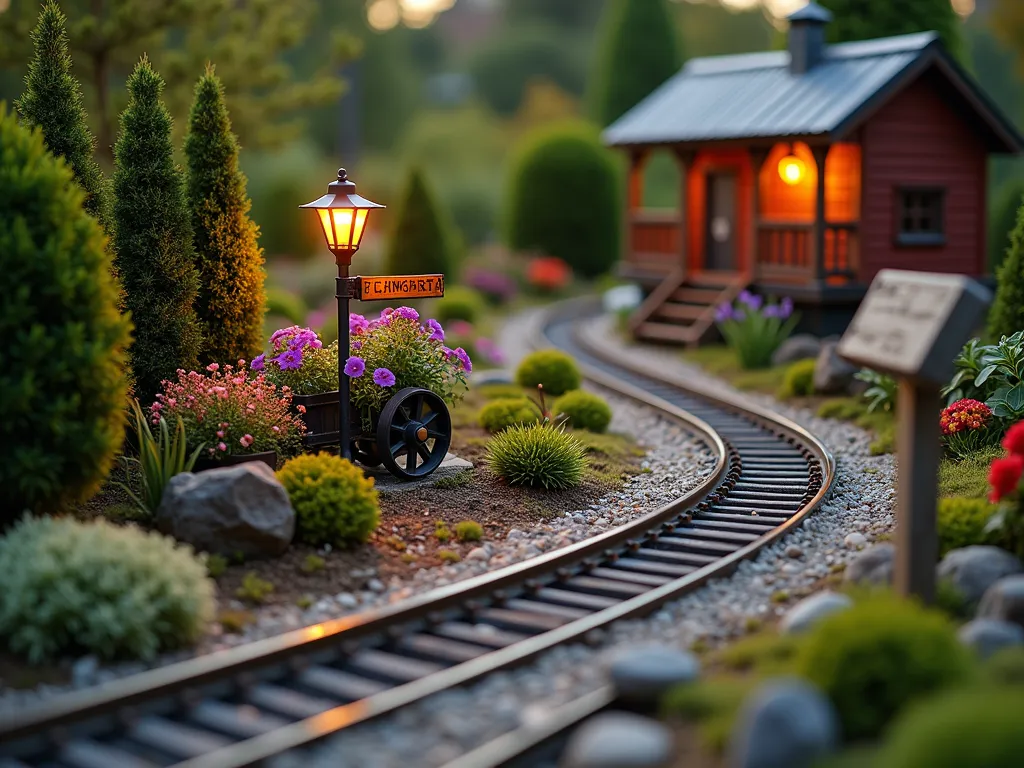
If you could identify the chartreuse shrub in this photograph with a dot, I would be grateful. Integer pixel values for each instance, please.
(554, 370)
(563, 199)
(334, 502)
(153, 239)
(798, 380)
(231, 302)
(539, 455)
(962, 522)
(469, 530)
(73, 588)
(423, 240)
(459, 303)
(585, 410)
(506, 412)
(880, 656)
(977, 728)
(62, 381)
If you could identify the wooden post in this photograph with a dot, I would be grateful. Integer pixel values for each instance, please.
(685, 159)
(757, 157)
(818, 233)
(634, 201)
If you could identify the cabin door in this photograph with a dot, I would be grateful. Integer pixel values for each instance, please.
(720, 236)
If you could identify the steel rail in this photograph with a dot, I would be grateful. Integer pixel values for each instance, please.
(243, 706)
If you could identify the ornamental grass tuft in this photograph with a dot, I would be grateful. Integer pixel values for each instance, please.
(540, 456)
(334, 502)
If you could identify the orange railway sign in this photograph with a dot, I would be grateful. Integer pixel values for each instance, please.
(389, 287)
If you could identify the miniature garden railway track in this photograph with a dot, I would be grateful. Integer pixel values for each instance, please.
(246, 705)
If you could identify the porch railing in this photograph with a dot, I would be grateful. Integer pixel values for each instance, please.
(785, 252)
(654, 240)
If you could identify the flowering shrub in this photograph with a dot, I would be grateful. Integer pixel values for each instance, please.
(463, 334)
(230, 413)
(396, 351)
(1007, 490)
(299, 360)
(754, 329)
(967, 426)
(548, 274)
(335, 503)
(497, 287)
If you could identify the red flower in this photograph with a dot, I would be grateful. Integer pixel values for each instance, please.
(1003, 476)
(548, 273)
(1013, 441)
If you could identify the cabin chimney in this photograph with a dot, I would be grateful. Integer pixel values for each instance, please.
(807, 37)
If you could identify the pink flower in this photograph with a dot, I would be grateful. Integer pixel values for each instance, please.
(301, 408)
(220, 433)
(275, 428)
(221, 447)
(212, 367)
(245, 440)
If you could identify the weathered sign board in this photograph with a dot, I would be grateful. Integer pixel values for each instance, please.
(389, 287)
(911, 325)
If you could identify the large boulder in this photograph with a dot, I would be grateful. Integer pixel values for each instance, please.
(832, 374)
(873, 566)
(988, 636)
(619, 740)
(811, 610)
(241, 509)
(803, 346)
(972, 570)
(642, 675)
(1004, 600)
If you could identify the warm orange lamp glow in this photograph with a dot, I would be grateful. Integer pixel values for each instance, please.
(792, 169)
(343, 217)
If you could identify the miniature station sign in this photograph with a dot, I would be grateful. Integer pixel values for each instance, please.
(399, 287)
(912, 325)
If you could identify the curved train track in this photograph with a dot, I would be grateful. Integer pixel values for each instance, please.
(244, 706)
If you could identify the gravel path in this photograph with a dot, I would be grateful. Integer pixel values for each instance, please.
(859, 510)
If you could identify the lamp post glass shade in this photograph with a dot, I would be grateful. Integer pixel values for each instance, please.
(343, 216)
(792, 169)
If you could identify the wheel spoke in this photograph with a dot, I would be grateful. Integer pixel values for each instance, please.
(397, 428)
(422, 449)
(410, 459)
(435, 435)
(397, 447)
(427, 419)
(417, 408)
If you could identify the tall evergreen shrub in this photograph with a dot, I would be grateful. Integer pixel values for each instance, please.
(153, 238)
(1007, 314)
(870, 19)
(563, 199)
(53, 102)
(1002, 220)
(639, 50)
(62, 378)
(231, 300)
(423, 239)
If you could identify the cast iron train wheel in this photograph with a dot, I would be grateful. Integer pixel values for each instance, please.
(414, 433)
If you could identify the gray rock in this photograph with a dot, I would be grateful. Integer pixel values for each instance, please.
(873, 565)
(986, 636)
(375, 585)
(972, 570)
(477, 553)
(794, 551)
(787, 724)
(803, 346)
(346, 600)
(228, 510)
(84, 671)
(619, 740)
(813, 609)
(855, 540)
(832, 375)
(1004, 600)
(641, 675)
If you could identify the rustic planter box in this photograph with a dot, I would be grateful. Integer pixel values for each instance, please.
(320, 418)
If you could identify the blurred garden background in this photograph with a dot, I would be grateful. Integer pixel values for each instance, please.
(432, 106)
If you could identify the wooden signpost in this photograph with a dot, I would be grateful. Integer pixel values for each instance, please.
(390, 287)
(912, 325)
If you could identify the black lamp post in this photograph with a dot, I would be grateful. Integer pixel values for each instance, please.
(343, 217)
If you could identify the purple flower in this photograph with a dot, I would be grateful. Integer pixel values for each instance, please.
(447, 353)
(724, 312)
(460, 353)
(786, 307)
(354, 367)
(437, 332)
(490, 350)
(258, 362)
(752, 301)
(305, 338)
(407, 312)
(772, 310)
(357, 345)
(382, 377)
(282, 334)
(290, 359)
(357, 324)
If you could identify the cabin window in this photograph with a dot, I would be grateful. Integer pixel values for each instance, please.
(919, 216)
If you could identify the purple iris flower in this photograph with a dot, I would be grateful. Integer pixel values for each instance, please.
(382, 377)
(724, 312)
(354, 367)
(772, 310)
(463, 358)
(752, 301)
(786, 307)
(408, 313)
(258, 362)
(289, 360)
(437, 332)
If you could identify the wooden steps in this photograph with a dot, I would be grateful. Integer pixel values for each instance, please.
(682, 309)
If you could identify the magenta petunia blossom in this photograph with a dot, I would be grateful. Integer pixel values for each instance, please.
(382, 377)
(258, 363)
(463, 357)
(408, 313)
(289, 360)
(436, 331)
(354, 367)
(357, 324)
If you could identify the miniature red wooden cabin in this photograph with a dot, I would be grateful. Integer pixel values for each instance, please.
(903, 135)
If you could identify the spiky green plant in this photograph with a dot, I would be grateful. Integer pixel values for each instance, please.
(538, 455)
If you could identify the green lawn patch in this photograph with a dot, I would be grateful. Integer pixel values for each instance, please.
(968, 477)
(719, 360)
(855, 409)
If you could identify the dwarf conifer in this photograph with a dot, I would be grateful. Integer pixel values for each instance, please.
(422, 240)
(1007, 314)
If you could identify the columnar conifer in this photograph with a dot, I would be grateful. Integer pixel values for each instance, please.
(423, 238)
(153, 238)
(231, 300)
(1007, 314)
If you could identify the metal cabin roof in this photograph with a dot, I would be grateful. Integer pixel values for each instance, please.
(755, 95)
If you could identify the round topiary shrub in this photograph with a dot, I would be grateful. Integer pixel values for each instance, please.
(506, 412)
(555, 370)
(334, 502)
(585, 410)
(977, 728)
(538, 455)
(73, 588)
(62, 383)
(798, 380)
(459, 303)
(880, 655)
(563, 199)
(961, 523)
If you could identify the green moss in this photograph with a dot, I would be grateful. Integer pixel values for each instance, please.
(304, 601)
(765, 654)
(462, 479)
(313, 564)
(442, 532)
(722, 361)
(216, 565)
(469, 530)
(961, 522)
(234, 622)
(495, 391)
(853, 409)
(968, 477)
(254, 590)
(448, 556)
(798, 380)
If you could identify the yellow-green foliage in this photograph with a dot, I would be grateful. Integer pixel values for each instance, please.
(961, 522)
(1005, 666)
(71, 588)
(585, 410)
(459, 303)
(313, 563)
(508, 411)
(880, 656)
(856, 410)
(334, 502)
(967, 477)
(62, 381)
(799, 380)
(441, 531)
(448, 556)
(555, 370)
(976, 728)
(469, 530)
(539, 456)
(254, 589)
